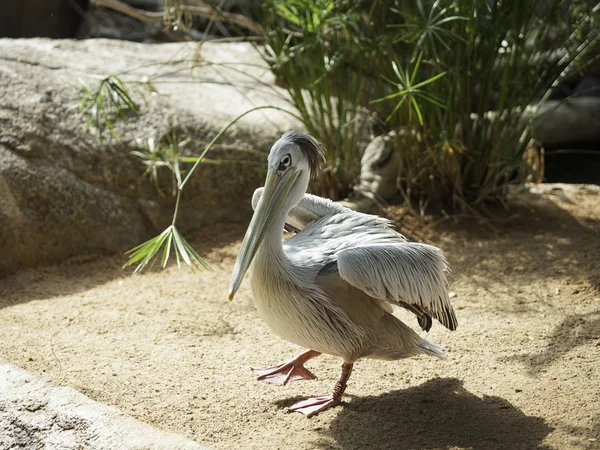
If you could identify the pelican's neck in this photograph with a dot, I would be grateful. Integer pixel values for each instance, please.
(270, 257)
(271, 248)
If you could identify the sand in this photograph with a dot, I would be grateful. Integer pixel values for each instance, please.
(522, 370)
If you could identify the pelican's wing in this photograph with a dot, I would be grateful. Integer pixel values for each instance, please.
(309, 209)
(411, 275)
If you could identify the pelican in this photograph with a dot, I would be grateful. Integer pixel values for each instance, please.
(330, 287)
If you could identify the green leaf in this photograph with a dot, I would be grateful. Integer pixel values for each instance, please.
(146, 254)
(180, 247)
(105, 103)
(167, 251)
(417, 110)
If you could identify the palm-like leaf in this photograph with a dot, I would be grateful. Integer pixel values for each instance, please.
(409, 91)
(428, 28)
(110, 100)
(147, 253)
(171, 240)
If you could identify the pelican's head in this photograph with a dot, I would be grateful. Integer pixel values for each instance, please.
(293, 160)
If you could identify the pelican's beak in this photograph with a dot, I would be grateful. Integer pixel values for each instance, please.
(277, 187)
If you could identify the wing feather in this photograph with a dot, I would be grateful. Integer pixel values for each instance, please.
(409, 273)
(371, 256)
(309, 209)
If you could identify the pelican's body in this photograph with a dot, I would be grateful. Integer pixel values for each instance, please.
(334, 317)
(330, 287)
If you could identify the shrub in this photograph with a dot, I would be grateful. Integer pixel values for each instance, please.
(453, 78)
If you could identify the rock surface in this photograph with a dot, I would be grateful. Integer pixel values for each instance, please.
(379, 167)
(35, 414)
(569, 123)
(64, 193)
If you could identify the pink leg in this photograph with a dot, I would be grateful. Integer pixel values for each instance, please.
(312, 406)
(292, 370)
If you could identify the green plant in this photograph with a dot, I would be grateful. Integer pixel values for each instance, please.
(110, 100)
(309, 46)
(411, 91)
(166, 154)
(147, 253)
(426, 25)
(498, 58)
(466, 70)
(176, 16)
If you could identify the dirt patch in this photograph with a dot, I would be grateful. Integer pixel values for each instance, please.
(166, 347)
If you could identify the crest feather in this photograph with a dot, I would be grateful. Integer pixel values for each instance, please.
(312, 149)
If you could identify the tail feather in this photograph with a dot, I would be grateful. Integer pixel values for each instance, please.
(431, 349)
(397, 340)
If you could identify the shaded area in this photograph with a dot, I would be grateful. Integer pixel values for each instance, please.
(35, 18)
(540, 238)
(591, 434)
(573, 166)
(440, 413)
(572, 332)
(83, 273)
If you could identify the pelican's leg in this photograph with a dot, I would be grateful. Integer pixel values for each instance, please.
(312, 406)
(292, 370)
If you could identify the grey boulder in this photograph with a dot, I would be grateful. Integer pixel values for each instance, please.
(64, 193)
(36, 414)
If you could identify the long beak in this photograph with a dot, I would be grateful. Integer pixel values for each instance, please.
(277, 186)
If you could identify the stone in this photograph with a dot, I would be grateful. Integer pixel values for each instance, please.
(379, 167)
(569, 123)
(64, 193)
(565, 124)
(35, 413)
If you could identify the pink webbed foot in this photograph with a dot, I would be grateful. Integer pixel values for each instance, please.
(284, 373)
(313, 406)
(292, 370)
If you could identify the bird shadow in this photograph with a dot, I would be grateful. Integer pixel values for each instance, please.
(440, 413)
(574, 331)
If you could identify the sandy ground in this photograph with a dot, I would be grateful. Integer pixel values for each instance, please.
(523, 368)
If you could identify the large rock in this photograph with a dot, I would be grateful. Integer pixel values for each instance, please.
(379, 167)
(569, 123)
(36, 414)
(63, 193)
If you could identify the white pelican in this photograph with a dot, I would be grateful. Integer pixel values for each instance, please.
(330, 287)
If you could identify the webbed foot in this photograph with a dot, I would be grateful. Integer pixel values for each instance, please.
(292, 370)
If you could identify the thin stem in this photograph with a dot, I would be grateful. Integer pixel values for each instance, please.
(207, 12)
(176, 207)
(223, 130)
(210, 145)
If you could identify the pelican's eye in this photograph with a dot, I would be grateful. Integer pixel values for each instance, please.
(285, 162)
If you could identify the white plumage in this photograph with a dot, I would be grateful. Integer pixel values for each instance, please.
(369, 254)
(329, 288)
